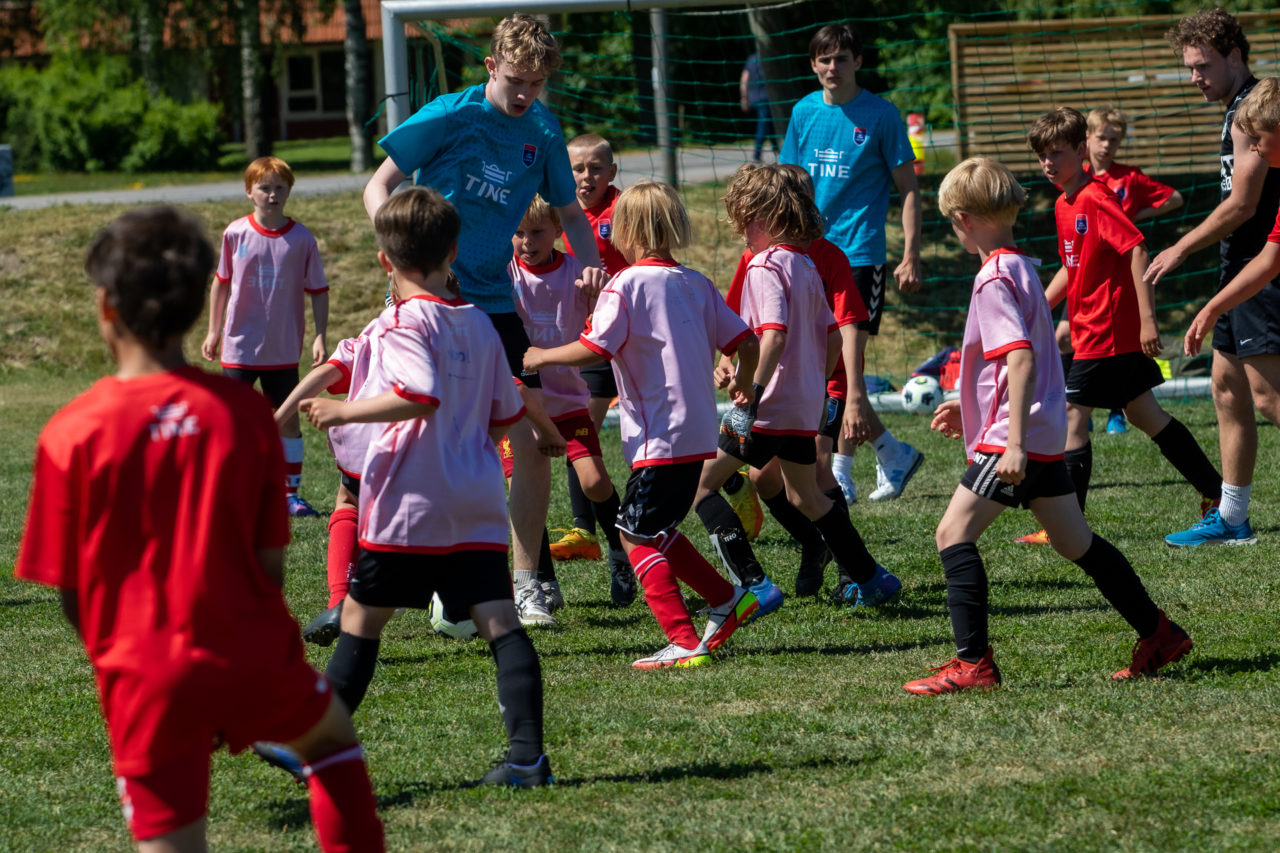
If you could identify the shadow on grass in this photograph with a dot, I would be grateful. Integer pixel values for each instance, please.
(1235, 666)
(23, 602)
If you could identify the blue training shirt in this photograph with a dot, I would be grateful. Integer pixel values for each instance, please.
(851, 151)
(490, 165)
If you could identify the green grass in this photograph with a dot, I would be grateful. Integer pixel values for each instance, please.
(799, 738)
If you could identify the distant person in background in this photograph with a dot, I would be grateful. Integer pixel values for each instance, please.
(755, 98)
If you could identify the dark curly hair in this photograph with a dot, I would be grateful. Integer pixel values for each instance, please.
(1216, 27)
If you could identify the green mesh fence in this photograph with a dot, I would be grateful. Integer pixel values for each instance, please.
(975, 75)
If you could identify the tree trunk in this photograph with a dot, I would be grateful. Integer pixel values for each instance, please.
(257, 142)
(149, 23)
(355, 49)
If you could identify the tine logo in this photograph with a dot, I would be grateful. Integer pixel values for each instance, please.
(172, 421)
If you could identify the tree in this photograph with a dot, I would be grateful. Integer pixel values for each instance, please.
(356, 57)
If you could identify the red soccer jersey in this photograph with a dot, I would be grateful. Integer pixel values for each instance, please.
(1094, 239)
(1274, 236)
(601, 219)
(1135, 189)
(150, 499)
(842, 295)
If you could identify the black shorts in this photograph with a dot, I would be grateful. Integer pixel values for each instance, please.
(461, 578)
(658, 497)
(1112, 382)
(351, 484)
(1043, 480)
(1253, 326)
(832, 417)
(763, 447)
(277, 383)
(515, 341)
(871, 285)
(600, 381)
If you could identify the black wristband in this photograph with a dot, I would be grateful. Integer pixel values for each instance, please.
(757, 391)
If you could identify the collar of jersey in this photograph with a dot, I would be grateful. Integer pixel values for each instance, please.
(557, 261)
(270, 232)
(655, 262)
(431, 297)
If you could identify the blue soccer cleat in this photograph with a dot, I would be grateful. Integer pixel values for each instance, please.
(1212, 530)
(769, 596)
(1116, 424)
(882, 587)
(509, 775)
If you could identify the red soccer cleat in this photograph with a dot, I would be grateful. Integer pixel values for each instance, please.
(957, 674)
(1168, 644)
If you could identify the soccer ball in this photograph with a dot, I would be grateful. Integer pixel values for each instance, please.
(464, 630)
(921, 395)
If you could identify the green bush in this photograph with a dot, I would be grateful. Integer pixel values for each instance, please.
(96, 116)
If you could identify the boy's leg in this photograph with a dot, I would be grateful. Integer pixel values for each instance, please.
(814, 554)
(277, 385)
(166, 809)
(605, 504)
(356, 655)
(723, 524)
(1079, 454)
(340, 565)
(519, 678)
(1178, 446)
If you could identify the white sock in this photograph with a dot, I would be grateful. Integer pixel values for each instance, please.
(1234, 508)
(887, 448)
(842, 465)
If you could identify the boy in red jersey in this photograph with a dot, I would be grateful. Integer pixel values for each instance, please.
(1012, 417)
(1111, 311)
(158, 494)
(591, 158)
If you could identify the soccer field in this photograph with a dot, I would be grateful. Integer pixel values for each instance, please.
(799, 738)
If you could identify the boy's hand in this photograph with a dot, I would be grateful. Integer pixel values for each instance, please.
(1162, 264)
(1012, 467)
(1201, 328)
(741, 395)
(723, 374)
(946, 419)
(533, 359)
(1150, 337)
(593, 280)
(209, 349)
(318, 351)
(323, 412)
(551, 443)
(907, 275)
(857, 419)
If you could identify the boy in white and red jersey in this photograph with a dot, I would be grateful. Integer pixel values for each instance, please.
(449, 398)
(269, 265)
(1012, 416)
(554, 312)
(658, 323)
(157, 510)
(784, 302)
(1111, 311)
(591, 159)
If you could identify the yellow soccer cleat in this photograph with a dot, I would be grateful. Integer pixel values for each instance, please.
(576, 544)
(746, 504)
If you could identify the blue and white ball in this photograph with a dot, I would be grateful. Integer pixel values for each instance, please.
(464, 630)
(921, 395)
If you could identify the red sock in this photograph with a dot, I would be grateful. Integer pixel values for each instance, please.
(293, 452)
(692, 568)
(343, 548)
(662, 594)
(343, 811)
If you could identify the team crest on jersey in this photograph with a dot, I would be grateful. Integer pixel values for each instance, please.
(859, 135)
(604, 229)
(530, 154)
(1121, 192)
(1082, 224)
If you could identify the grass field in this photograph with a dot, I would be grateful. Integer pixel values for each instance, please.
(799, 738)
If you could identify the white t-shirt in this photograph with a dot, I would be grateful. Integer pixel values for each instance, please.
(659, 323)
(554, 312)
(350, 442)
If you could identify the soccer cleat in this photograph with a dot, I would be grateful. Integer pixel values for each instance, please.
(722, 621)
(622, 580)
(1212, 530)
(279, 755)
(324, 629)
(1040, 537)
(1116, 424)
(298, 508)
(746, 504)
(957, 674)
(576, 544)
(551, 592)
(891, 481)
(882, 587)
(1168, 644)
(531, 606)
(813, 563)
(769, 596)
(677, 656)
(508, 775)
(849, 488)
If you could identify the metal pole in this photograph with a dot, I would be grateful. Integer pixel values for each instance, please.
(395, 66)
(661, 109)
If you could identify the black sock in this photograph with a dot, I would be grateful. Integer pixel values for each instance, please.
(519, 695)
(1181, 449)
(729, 539)
(837, 497)
(582, 515)
(1080, 466)
(793, 521)
(846, 545)
(1120, 585)
(967, 599)
(606, 513)
(546, 568)
(351, 668)
(734, 482)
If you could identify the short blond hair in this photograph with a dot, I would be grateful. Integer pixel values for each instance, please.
(981, 186)
(1101, 117)
(649, 216)
(1260, 110)
(590, 142)
(525, 43)
(539, 211)
(777, 197)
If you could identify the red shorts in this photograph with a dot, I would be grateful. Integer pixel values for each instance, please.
(579, 433)
(163, 726)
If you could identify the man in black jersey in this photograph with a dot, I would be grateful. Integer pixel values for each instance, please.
(1246, 341)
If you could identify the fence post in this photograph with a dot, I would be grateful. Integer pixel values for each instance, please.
(6, 171)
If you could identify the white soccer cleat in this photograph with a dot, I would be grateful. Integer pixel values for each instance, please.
(551, 592)
(676, 656)
(891, 481)
(532, 607)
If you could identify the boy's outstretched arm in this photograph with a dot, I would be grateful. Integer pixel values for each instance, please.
(572, 354)
(1149, 330)
(219, 294)
(384, 408)
(310, 385)
(1248, 282)
(1057, 289)
(578, 230)
(319, 313)
(908, 274)
(1021, 374)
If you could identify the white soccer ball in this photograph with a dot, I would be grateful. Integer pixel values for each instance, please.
(464, 630)
(921, 395)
